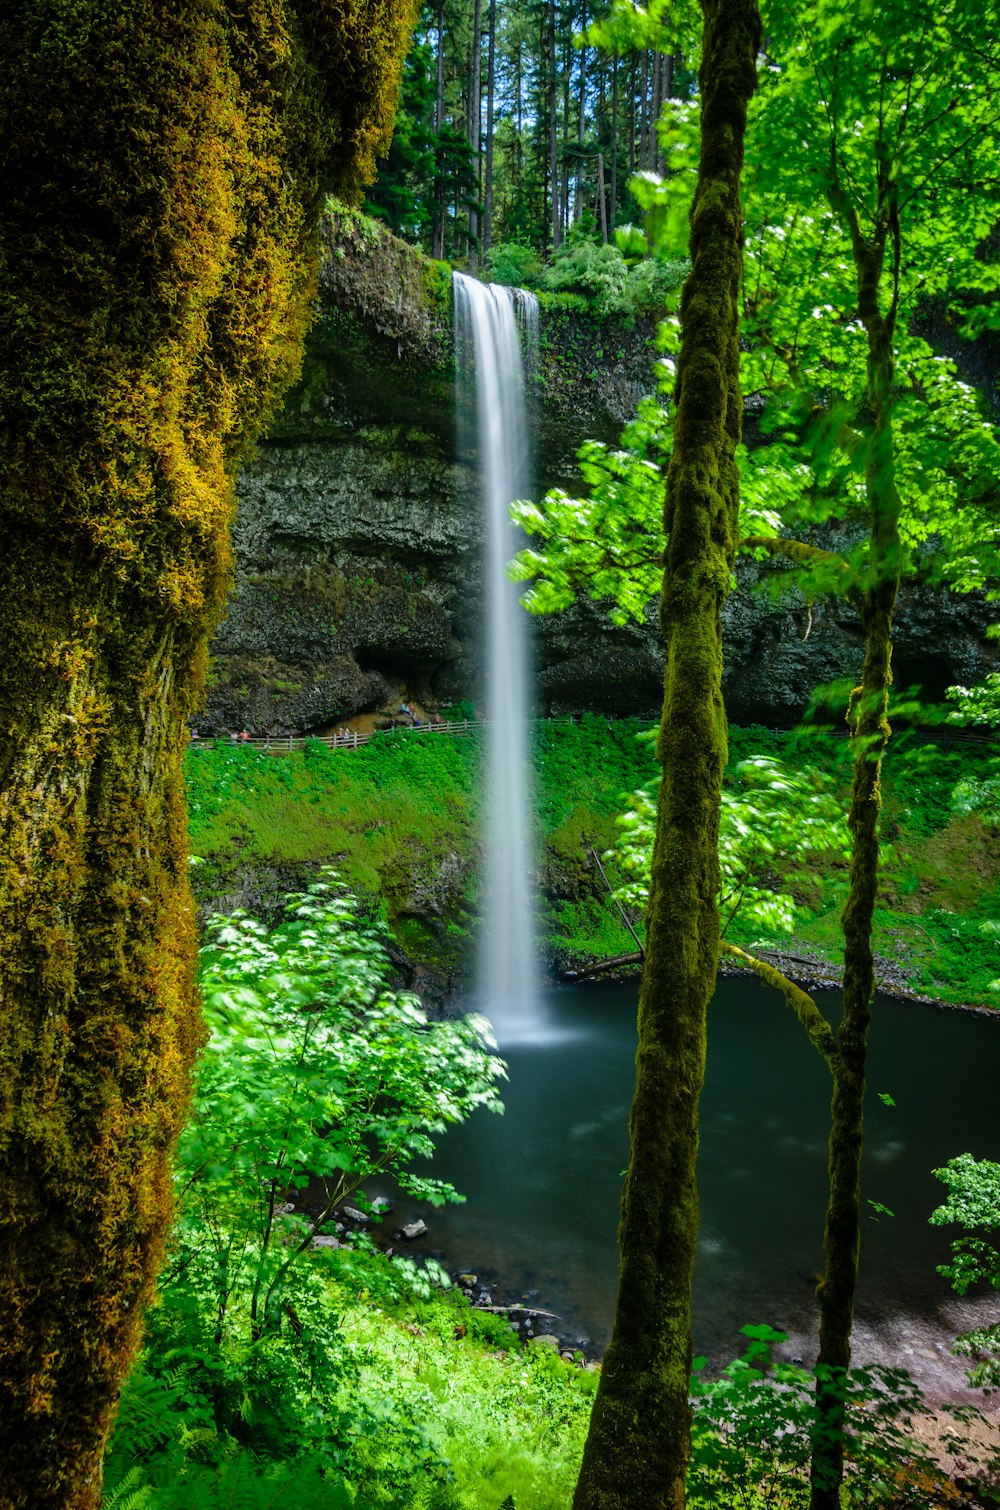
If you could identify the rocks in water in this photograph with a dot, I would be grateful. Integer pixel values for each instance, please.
(354, 1215)
(324, 1240)
(381, 1204)
(414, 1229)
(546, 1339)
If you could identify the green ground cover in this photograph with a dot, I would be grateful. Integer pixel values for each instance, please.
(285, 1366)
(415, 1401)
(399, 817)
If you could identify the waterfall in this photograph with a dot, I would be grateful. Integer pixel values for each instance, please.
(489, 321)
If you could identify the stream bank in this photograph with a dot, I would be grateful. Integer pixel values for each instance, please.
(543, 1182)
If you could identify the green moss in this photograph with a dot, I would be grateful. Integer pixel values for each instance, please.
(639, 1442)
(437, 284)
(163, 166)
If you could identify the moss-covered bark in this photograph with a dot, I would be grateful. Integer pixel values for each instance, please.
(870, 734)
(163, 164)
(639, 1441)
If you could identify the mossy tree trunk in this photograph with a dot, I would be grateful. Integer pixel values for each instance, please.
(638, 1446)
(163, 166)
(868, 717)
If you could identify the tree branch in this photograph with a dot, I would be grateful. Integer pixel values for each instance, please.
(624, 917)
(819, 1031)
(800, 554)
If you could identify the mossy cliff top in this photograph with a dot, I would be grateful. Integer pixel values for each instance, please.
(381, 353)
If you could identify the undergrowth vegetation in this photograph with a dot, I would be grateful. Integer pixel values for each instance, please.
(400, 818)
(392, 1393)
(290, 1363)
(284, 1362)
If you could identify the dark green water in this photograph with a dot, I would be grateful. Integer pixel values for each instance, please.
(543, 1181)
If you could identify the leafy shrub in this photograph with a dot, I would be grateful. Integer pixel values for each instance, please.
(753, 1430)
(973, 1204)
(778, 826)
(632, 242)
(314, 1071)
(597, 272)
(977, 705)
(515, 265)
(980, 793)
(653, 285)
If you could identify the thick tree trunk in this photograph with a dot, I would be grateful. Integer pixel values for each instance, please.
(157, 276)
(638, 1446)
(99, 1017)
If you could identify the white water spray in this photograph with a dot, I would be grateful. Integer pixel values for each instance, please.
(488, 339)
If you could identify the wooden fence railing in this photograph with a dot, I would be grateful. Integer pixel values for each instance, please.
(352, 739)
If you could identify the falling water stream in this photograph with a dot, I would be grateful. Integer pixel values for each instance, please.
(490, 323)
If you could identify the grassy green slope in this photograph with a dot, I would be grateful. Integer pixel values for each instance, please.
(400, 818)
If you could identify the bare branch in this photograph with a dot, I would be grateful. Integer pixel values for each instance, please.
(639, 944)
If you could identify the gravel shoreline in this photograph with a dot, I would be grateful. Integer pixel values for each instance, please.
(805, 967)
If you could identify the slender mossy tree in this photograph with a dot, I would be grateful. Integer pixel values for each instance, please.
(638, 1446)
(871, 199)
(902, 137)
(163, 167)
(877, 258)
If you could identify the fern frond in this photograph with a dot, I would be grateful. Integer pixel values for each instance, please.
(146, 1418)
(130, 1493)
(241, 1485)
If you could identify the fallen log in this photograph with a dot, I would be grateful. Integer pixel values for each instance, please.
(602, 967)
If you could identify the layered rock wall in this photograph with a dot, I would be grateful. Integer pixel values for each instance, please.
(358, 533)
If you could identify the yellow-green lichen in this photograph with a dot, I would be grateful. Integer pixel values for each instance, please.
(163, 169)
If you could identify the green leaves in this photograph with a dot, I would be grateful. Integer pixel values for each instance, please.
(973, 1204)
(977, 705)
(775, 821)
(314, 1072)
(607, 544)
(867, 123)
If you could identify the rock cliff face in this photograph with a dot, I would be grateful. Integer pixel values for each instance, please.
(358, 533)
